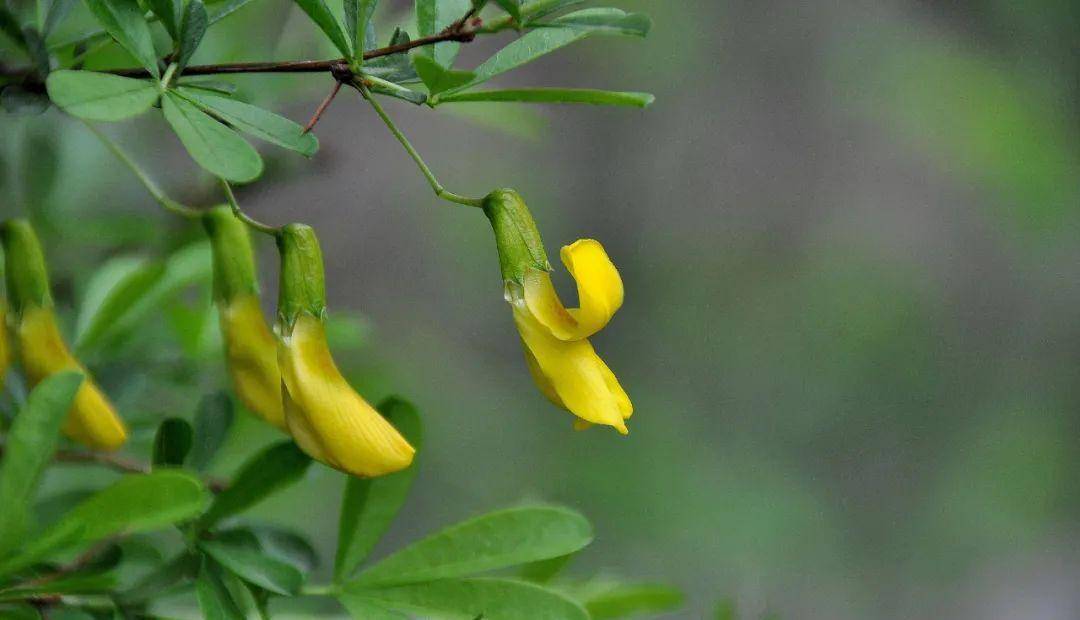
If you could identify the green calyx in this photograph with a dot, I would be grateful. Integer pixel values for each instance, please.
(234, 261)
(303, 285)
(518, 240)
(27, 278)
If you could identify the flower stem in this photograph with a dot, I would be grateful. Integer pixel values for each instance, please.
(168, 203)
(440, 191)
(244, 217)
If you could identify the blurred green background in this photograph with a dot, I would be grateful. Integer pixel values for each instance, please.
(848, 237)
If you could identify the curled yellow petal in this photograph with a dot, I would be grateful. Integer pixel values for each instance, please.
(599, 287)
(251, 356)
(328, 419)
(92, 420)
(572, 375)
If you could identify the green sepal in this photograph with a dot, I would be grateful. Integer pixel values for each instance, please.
(234, 261)
(518, 240)
(27, 278)
(303, 286)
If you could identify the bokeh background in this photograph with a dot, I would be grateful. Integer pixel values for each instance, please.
(848, 236)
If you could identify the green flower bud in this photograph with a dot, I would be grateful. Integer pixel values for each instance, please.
(303, 287)
(27, 278)
(518, 241)
(234, 262)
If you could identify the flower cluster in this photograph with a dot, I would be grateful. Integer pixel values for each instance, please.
(287, 375)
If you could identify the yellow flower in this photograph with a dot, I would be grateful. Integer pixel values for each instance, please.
(92, 420)
(561, 359)
(251, 356)
(250, 347)
(328, 419)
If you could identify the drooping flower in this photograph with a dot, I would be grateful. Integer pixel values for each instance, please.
(558, 353)
(92, 419)
(328, 419)
(250, 346)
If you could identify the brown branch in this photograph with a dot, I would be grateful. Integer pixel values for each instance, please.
(322, 107)
(455, 32)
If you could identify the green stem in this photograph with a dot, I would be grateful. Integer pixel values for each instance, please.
(168, 203)
(243, 217)
(440, 191)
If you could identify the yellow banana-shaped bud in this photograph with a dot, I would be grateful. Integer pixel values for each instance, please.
(328, 419)
(92, 419)
(250, 347)
(560, 357)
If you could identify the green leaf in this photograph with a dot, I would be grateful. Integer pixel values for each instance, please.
(539, 9)
(214, 599)
(512, 7)
(432, 16)
(100, 96)
(30, 445)
(190, 265)
(495, 540)
(269, 471)
(365, 609)
(255, 567)
(469, 599)
(58, 10)
(111, 292)
(192, 28)
(75, 583)
(36, 48)
(134, 503)
(124, 21)
(159, 580)
(553, 95)
(172, 443)
(228, 9)
(9, 25)
(357, 17)
(212, 145)
(169, 13)
(622, 600)
(287, 546)
(325, 20)
(370, 505)
(213, 418)
(19, 611)
(542, 571)
(524, 49)
(255, 121)
(604, 20)
(437, 78)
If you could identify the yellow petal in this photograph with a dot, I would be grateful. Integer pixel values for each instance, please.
(92, 420)
(328, 419)
(576, 377)
(251, 355)
(600, 292)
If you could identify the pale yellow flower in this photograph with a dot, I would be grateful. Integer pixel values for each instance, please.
(92, 420)
(326, 417)
(251, 356)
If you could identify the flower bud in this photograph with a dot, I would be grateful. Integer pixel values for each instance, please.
(328, 419)
(303, 288)
(27, 279)
(516, 237)
(92, 420)
(250, 347)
